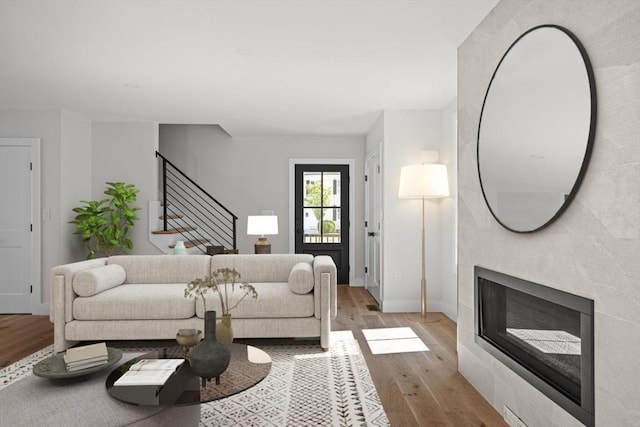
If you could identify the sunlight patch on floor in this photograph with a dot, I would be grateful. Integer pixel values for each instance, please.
(393, 340)
(341, 335)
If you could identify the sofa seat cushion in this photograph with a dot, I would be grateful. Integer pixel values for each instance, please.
(95, 280)
(162, 268)
(275, 300)
(136, 302)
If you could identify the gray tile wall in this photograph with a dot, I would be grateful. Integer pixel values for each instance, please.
(593, 249)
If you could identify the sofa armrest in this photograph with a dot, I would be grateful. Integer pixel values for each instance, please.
(325, 295)
(62, 294)
(324, 264)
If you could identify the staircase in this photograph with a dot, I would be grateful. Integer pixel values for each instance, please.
(187, 212)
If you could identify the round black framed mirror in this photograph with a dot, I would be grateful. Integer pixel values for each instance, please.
(536, 129)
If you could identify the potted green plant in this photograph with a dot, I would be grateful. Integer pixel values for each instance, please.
(219, 282)
(105, 224)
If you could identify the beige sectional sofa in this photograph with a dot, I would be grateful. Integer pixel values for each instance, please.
(140, 297)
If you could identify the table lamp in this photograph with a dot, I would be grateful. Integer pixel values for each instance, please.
(262, 225)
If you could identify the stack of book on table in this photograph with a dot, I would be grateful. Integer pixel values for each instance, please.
(86, 356)
(149, 372)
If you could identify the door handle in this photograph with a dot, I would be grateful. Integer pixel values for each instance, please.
(371, 234)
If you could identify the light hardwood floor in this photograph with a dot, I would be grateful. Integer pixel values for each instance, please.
(416, 389)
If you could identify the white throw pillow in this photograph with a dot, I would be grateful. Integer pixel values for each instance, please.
(95, 280)
(301, 278)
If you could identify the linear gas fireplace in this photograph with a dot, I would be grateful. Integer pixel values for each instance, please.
(543, 334)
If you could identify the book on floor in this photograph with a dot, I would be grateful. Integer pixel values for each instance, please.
(86, 365)
(149, 372)
(86, 352)
(87, 361)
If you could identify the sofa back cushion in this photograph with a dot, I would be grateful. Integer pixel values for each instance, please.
(256, 268)
(162, 268)
(95, 280)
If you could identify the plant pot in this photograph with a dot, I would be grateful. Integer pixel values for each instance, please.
(210, 357)
(224, 330)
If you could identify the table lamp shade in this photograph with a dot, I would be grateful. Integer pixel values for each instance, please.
(428, 181)
(262, 225)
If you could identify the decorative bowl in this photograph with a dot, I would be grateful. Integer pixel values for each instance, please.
(188, 337)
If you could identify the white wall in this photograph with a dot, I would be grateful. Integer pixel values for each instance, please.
(593, 249)
(375, 137)
(249, 175)
(125, 151)
(448, 214)
(405, 134)
(75, 179)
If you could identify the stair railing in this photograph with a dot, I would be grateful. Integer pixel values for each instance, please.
(184, 201)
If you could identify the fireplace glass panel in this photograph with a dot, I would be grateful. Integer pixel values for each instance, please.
(539, 334)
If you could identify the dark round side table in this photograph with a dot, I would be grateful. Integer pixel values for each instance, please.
(248, 366)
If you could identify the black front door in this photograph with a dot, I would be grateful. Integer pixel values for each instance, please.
(322, 213)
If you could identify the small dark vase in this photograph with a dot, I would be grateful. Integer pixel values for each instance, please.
(210, 357)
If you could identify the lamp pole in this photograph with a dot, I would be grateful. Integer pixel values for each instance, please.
(424, 317)
(423, 282)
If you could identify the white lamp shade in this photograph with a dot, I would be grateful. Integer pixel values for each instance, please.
(262, 225)
(428, 181)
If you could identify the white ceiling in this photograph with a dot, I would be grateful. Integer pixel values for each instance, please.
(254, 67)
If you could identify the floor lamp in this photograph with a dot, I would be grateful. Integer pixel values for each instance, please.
(426, 181)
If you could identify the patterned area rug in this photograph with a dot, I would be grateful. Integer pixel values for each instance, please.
(306, 386)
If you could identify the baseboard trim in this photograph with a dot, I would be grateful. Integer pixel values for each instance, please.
(413, 306)
(42, 309)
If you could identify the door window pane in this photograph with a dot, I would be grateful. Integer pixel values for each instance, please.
(331, 185)
(310, 229)
(330, 229)
(313, 190)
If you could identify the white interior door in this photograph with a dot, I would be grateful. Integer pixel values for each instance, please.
(16, 225)
(373, 227)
